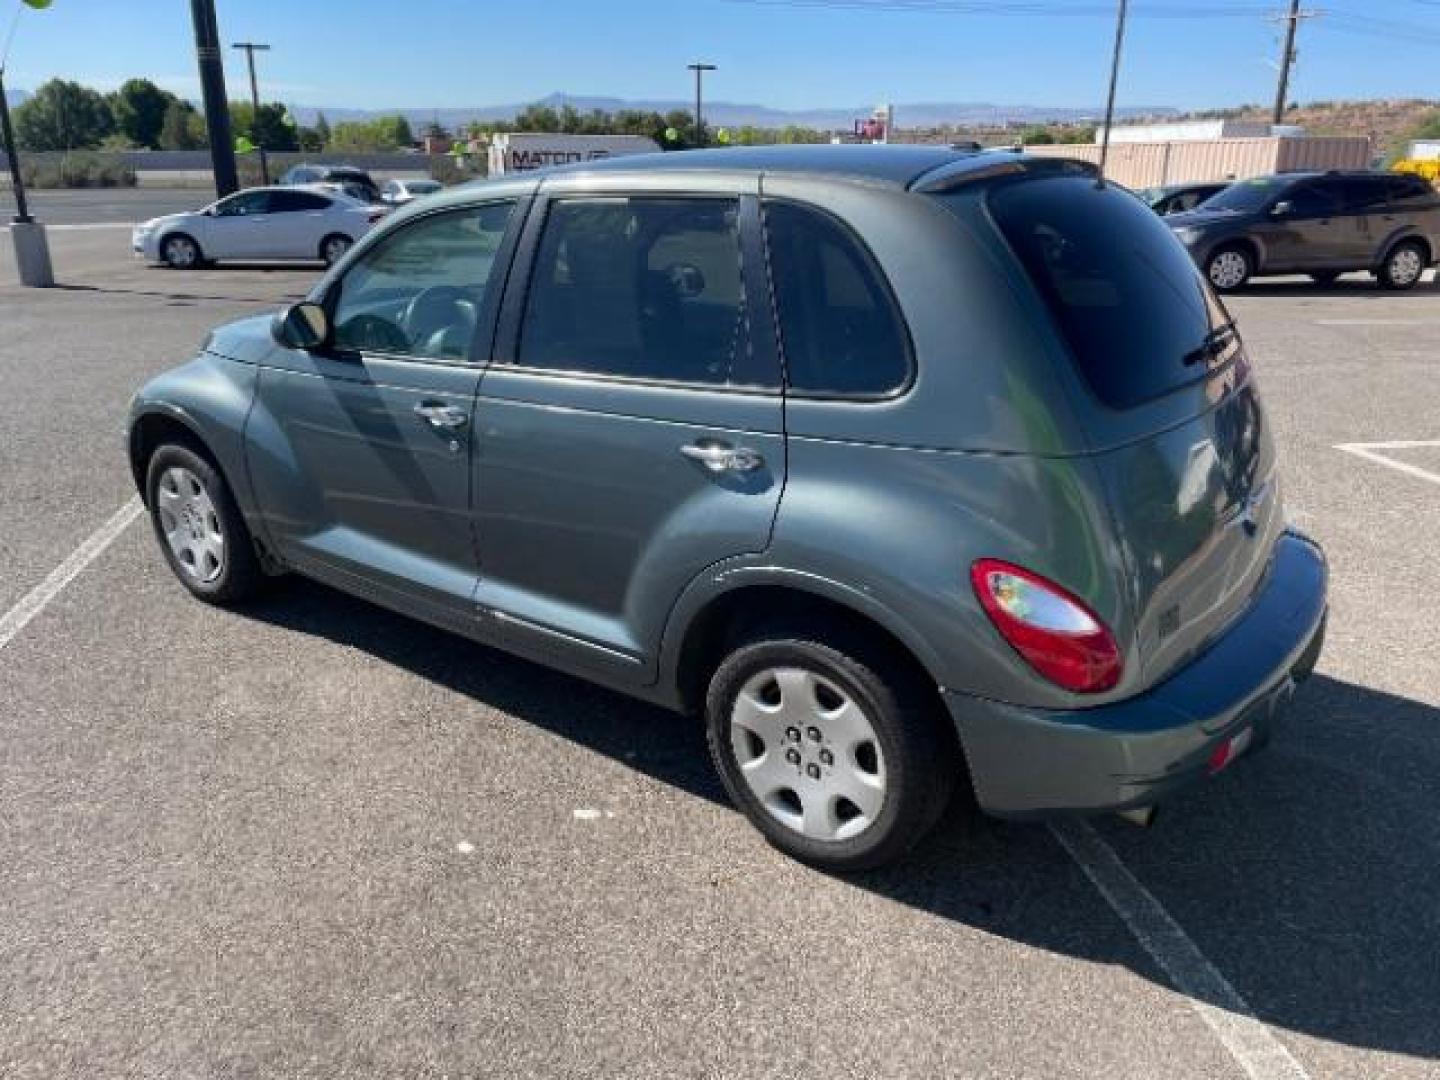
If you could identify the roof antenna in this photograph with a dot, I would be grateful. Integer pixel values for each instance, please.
(1114, 78)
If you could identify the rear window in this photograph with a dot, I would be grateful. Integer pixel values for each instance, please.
(1136, 312)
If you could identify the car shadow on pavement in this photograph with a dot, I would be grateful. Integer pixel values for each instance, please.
(1346, 289)
(187, 297)
(1308, 875)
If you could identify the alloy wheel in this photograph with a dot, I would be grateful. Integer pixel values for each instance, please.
(1228, 270)
(1406, 266)
(808, 753)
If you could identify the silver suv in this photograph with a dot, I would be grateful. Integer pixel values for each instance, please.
(903, 466)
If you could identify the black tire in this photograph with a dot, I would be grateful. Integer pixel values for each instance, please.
(334, 247)
(1325, 277)
(1229, 268)
(1403, 267)
(239, 575)
(921, 762)
(181, 252)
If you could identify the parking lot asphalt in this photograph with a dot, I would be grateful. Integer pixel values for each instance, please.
(311, 838)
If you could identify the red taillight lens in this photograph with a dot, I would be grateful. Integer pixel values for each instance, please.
(1053, 631)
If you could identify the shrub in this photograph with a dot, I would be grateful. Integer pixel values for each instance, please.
(83, 170)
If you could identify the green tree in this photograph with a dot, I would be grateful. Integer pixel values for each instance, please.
(139, 108)
(322, 130)
(368, 136)
(182, 128)
(266, 128)
(63, 115)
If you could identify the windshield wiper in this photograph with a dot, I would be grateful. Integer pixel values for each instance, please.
(1213, 345)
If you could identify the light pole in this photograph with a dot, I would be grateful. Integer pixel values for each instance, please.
(699, 70)
(251, 47)
(217, 104)
(32, 250)
(1114, 78)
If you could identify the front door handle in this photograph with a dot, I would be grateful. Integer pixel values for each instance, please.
(441, 416)
(720, 457)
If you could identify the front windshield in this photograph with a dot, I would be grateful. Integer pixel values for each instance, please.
(1247, 195)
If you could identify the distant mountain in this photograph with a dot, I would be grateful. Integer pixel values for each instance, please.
(16, 97)
(731, 114)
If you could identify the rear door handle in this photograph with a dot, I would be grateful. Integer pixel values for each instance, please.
(441, 416)
(719, 457)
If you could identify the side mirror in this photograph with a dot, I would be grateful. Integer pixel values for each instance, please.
(303, 327)
(1282, 208)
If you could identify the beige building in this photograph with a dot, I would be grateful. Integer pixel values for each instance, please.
(1151, 164)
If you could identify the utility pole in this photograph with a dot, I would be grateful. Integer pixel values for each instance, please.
(251, 48)
(699, 70)
(17, 184)
(1114, 80)
(32, 248)
(1287, 61)
(217, 104)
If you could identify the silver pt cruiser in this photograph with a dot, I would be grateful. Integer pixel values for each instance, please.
(906, 467)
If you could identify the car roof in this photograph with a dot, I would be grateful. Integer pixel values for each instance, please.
(889, 164)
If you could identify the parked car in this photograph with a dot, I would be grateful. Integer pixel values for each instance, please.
(259, 223)
(1321, 224)
(1178, 198)
(298, 175)
(902, 469)
(401, 192)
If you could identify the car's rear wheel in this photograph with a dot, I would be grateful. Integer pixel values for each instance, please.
(1229, 268)
(199, 526)
(180, 252)
(1403, 267)
(837, 756)
(333, 248)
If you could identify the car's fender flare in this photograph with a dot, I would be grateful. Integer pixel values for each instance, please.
(744, 572)
(1400, 236)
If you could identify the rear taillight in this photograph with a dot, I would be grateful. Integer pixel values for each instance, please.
(1054, 632)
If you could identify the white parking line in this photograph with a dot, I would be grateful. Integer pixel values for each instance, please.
(35, 601)
(1369, 451)
(1252, 1045)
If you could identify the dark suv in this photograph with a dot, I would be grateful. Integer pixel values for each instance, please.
(900, 465)
(1321, 224)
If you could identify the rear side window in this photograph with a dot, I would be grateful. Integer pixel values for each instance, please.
(1136, 312)
(641, 288)
(1362, 193)
(283, 202)
(839, 325)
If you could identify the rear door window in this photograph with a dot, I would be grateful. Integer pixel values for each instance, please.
(1362, 194)
(1137, 314)
(839, 325)
(641, 288)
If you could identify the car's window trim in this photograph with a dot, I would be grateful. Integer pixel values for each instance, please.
(327, 294)
(763, 340)
(887, 290)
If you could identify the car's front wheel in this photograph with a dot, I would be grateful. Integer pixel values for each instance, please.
(1403, 267)
(832, 751)
(1229, 268)
(199, 526)
(180, 252)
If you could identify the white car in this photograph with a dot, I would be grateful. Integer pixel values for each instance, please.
(260, 223)
(400, 192)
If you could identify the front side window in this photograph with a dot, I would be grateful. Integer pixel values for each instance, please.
(1317, 200)
(419, 291)
(839, 326)
(642, 288)
(1249, 196)
(246, 204)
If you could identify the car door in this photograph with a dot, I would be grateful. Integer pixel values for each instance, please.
(1363, 201)
(295, 225)
(360, 451)
(631, 425)
(235, 225)
(1305, 229)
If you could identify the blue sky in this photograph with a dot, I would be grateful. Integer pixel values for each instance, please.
(424, 53)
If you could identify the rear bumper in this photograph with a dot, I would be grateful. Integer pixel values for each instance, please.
(1028, 762)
